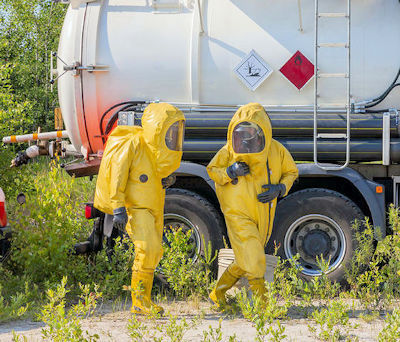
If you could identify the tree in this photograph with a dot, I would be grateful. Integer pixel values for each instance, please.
(29, 31)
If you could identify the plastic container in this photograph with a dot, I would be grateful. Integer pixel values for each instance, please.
(226, 257)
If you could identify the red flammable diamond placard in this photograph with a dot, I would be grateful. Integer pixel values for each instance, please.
(298, 70)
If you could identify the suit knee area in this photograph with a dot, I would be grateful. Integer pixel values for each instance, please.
(147, 258)
(257, 268)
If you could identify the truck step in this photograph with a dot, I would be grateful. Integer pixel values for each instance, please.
(333, 45)
(333, 75)
(332, 15)
(332, 136)
(331, 105)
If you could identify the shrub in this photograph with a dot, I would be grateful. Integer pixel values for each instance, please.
(374, 272)
(46, 228)
(64, 325)
(332, 321)
(263, 312)
(391, 331)
(184, 276)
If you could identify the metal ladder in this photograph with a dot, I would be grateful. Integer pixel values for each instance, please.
(317, 75)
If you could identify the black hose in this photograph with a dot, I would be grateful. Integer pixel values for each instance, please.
(370, 111)
(110, 109)
(384, 94)
(388, 91)
(114, 118)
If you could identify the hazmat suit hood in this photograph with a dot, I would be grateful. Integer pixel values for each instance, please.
(253, 113)
(157, 119)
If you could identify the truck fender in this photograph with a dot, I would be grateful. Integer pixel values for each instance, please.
(375, 201)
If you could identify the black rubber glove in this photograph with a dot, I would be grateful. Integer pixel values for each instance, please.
(168, 181)
(237, 169)
(120, 218)
(274, 191)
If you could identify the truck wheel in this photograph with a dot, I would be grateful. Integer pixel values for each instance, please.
(312, 222)
(188, 210)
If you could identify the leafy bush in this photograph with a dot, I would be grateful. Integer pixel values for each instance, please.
(184, 276)
(14, 306)
(46, 228)
(263, 312)
(332, 321)
(63, 324)
(112, 275)
(374, 272)
(391, 331)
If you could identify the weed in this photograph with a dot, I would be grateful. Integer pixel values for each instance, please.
(262, 312)
(15, 306)
(373, 274)
(45, 230)
(184, 276)
(64, 325)
(286, 278)
(332, 322)
(213, 335)
(137, 330)
(18, 338)
(391, 331)
(173, 329)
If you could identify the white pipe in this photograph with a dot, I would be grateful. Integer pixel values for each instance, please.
(35, 136)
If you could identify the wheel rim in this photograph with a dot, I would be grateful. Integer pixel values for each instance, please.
(311, 236)
(176, 221)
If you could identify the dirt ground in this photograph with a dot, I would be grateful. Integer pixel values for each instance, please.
(110, 323)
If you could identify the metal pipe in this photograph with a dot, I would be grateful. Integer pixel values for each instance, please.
(300, 16)
(362, 150)
(215, 124)
(35, 136)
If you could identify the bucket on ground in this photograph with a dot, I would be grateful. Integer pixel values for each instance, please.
(226, 257)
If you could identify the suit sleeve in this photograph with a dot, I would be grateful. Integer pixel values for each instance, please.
(217, 167)
(289, 169)
(120, 168)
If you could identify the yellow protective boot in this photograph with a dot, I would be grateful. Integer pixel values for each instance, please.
(257, 287)
(142, 304)
(217, 295)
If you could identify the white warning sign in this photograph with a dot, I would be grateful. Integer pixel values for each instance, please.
(253, 70)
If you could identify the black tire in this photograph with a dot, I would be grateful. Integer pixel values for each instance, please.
(193, 211)
(314, 221)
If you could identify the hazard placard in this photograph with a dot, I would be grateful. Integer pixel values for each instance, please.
(253, 70)
(298, 70)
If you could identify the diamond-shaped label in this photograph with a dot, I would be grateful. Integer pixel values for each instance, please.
(253, 70)
(298, 70)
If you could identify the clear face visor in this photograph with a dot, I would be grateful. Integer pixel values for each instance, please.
(174, 136)
(248, 137)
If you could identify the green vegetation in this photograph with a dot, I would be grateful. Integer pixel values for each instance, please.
(185, 277)
(33, 279)
(29, 31)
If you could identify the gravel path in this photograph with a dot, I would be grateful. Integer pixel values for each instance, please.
(110, 323)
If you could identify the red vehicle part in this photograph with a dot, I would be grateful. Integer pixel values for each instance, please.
(3, 214)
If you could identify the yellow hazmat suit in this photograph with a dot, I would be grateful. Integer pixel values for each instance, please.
(134, 162)
(249, 222)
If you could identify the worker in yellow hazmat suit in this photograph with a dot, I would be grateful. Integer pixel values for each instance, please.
(250, 172)
(130, 185)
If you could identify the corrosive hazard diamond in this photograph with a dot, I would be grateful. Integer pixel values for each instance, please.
(253, 70)
(298, 70)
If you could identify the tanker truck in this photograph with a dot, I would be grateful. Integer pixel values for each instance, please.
(325, 71)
